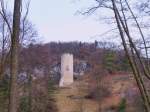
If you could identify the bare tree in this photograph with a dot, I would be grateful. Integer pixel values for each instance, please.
(14, 55)
(6, 32)
(27, 32)
(139, 67)
(124, 28)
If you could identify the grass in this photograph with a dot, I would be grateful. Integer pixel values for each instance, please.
(67, 104)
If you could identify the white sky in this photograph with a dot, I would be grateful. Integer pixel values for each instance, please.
(56, 20)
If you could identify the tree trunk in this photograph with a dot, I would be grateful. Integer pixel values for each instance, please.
(14, 56)
(3, 50)
(30, 90)
(132, 61)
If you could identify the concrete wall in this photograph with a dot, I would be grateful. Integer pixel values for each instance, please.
(66, 70)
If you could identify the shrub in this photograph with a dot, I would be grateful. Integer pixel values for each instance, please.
(24, 107)
(122, 105)
(4, 93)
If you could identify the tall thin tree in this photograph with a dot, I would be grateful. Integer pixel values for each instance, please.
(14, 55)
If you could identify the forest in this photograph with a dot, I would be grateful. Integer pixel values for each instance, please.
(108, 76)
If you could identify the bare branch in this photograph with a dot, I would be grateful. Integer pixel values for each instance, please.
(24, 20)
(4, 15)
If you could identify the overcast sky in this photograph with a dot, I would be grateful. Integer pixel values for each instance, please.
(56, 20)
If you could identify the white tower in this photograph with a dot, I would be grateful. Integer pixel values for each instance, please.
(66, 70)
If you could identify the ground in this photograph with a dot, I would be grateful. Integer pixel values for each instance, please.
(72, 99)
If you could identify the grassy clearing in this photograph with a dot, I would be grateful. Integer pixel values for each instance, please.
(72, 99)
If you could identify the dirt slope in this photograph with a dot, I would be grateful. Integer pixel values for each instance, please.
(72, 99)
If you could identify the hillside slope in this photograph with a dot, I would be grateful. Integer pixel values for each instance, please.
(72, 99)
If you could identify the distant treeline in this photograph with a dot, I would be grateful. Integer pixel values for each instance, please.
(107, 54)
